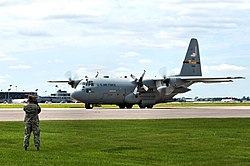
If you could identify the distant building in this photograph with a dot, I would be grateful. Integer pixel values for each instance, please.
(58, 97)
(7, 97)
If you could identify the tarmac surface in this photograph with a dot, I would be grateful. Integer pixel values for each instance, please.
(156, 113)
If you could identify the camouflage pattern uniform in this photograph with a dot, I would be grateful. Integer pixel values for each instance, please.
(32, 123)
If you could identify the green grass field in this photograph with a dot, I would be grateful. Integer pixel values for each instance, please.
(130, 142)
(81, 105)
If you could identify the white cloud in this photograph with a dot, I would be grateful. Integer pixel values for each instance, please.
(225, 68)
(123, 69)
(117, 22)
(153, 43)
(54, 61)
(126, 33)
(145, 61)
(121, 72)
(4, 57)
(90, 70)
(20, 67)
(139, 57)
(130, 54)
(3, 79)
(33, 32)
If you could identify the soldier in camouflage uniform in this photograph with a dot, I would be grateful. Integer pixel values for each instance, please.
(32, 109)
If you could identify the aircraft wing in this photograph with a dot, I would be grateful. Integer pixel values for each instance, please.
(211, 80)
(58, 81)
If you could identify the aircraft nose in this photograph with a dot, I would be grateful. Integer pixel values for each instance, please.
(76, 95)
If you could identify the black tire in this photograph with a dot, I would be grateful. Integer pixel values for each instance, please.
(142, 106)
(122, 106)
(89, 106)
(129, 106)
(150, 106)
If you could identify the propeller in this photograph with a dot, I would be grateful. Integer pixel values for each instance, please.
(139, 83)
(163, 73)
(73, 82)
(167, 87)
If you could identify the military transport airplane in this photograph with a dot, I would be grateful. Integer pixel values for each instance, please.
(126, 92)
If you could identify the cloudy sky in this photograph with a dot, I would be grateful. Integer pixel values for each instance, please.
(42, 40)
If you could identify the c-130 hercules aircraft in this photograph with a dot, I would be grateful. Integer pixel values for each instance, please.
(145, 92)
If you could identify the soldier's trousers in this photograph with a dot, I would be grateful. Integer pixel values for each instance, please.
(29, 127)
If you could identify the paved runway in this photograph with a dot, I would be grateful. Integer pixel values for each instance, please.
(157, 113)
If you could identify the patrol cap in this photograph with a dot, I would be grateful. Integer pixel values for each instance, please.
(31, 98)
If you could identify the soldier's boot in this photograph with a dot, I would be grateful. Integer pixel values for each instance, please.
(25, 148)
(37, 148)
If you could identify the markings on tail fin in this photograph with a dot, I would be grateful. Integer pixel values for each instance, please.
(192, 62)
(194, 54)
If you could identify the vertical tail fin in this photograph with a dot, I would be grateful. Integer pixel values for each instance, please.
(191, 64)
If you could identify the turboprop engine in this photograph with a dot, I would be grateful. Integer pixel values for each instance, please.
(168, 86)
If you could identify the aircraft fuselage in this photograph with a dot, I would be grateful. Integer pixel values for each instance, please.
(120, 91)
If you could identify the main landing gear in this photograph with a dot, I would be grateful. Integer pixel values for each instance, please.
(89, 106)
(121, 106)
(145, 106)
(129, 106)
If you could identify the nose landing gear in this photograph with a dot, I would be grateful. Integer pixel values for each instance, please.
(89, 106)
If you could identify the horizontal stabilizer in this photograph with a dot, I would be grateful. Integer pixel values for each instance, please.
(211, 80)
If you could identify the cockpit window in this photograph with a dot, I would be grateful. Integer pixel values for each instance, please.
(89, 83)
(89, 91)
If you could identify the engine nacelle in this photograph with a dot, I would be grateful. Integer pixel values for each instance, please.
(132, 98)
(161, 89)
(167, 90)
(181, 89)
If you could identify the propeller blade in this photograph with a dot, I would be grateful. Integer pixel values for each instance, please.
(135, 91)
(58, 81)
(68, 75)
(139, 83)
(163, 72)
(143, 74)
(74, 83)
(145, 87)
(133, 77)
(166, 81)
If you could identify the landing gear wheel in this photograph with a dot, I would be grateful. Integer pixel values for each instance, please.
(129, 106)
(142, 106)
(122, 106)
(88, 106)
(150, 106)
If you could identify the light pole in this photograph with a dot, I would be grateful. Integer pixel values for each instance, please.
(8, 95)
